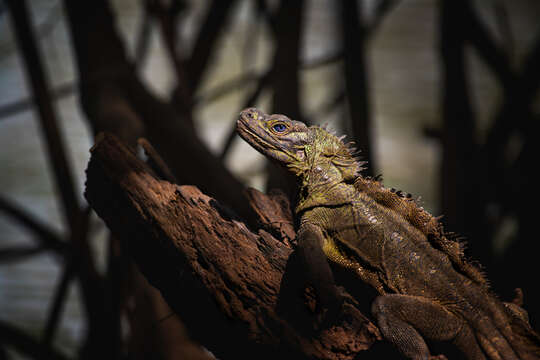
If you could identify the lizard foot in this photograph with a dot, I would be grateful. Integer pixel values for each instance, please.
(328, 309)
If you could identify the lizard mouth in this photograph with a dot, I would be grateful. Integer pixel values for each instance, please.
(253, 131)
(252, 137)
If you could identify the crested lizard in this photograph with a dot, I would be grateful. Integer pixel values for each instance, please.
(426, 286)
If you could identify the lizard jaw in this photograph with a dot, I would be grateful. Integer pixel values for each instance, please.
(246, 128)
(245, 132)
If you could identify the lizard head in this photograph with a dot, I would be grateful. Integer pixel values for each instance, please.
(275, 136)
(296, 146)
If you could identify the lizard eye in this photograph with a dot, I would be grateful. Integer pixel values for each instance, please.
(279, 127)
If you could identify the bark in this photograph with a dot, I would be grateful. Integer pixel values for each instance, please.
(237, 289)
(114, 99)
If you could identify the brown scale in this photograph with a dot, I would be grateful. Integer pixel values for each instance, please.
(404, 205)
(423, 221)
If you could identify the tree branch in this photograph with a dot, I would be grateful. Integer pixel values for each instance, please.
(215, 21)
(45, 235)
(356, 77)
(47, 115)
(25, 344)
(211, 268)
(115, 100)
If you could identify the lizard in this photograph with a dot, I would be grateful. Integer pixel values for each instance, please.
(427, 288)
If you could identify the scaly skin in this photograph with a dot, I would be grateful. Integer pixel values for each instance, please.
(427, 288)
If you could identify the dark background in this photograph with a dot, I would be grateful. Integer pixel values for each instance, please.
(440, 96)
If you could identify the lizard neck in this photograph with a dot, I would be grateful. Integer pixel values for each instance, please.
(322, 185)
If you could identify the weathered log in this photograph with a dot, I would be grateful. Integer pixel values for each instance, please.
(237, 289)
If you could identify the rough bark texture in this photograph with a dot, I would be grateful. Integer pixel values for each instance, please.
(237, 289)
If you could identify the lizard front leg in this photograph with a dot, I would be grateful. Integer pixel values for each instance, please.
(310, 242)
(368, 276)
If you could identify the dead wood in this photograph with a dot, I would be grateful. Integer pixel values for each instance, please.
(235, 288)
